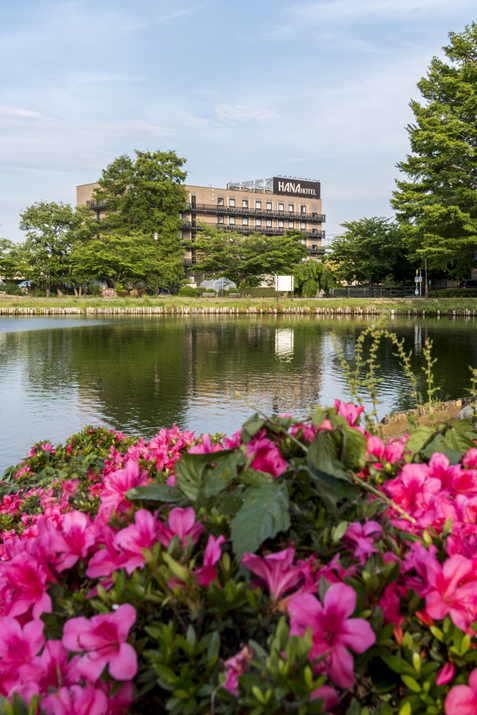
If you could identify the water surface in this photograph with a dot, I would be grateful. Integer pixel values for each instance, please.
(140, 373)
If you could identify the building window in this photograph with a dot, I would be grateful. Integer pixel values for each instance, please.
(182, 234)
(180, 215)
(291, 208)
(220, 219)
(232, 220)
(245, 203)
(269, 205)
(245, 221)
(280, 223)
(258, 222)
(258, 204)
(220, 201)
(290, 224)
(269, 222)
(231, 202)
(303, 225)
(303, 209)
(281, 207)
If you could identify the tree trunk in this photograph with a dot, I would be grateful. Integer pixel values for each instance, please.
(74, 288)
(371, 286)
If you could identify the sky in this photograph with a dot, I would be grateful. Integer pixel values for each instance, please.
(314, 89)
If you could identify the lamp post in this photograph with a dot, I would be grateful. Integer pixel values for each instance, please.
(157, 273)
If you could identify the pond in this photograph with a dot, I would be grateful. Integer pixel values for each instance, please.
(138, 374)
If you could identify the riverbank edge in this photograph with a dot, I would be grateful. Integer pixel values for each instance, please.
(243, 306)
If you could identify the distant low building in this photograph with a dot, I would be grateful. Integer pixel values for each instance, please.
(267, 206)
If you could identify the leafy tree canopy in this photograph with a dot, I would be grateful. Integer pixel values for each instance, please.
(312, 276)
(144, 196)
(9, 258)
(52, 230)
(437, 203)
(246, 259)
(371, 250)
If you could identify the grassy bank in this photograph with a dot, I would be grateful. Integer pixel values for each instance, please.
(351, 306)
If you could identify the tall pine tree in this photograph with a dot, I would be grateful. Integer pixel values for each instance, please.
(437, 204)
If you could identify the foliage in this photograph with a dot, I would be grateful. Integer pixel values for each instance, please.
(53, 231)
(312, 276)
(9, 261)
(12, 289)
(190, 292)
(437, 203)
(246, 259)
(370, 250)
(293, 567)
(262, 292)
(141, 197)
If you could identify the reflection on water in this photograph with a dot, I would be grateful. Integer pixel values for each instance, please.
(141, 373)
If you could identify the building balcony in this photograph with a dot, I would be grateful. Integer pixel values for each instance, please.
(266, 230)
(96, 204)
(259, 213)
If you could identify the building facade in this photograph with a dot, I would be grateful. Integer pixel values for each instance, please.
(267, 206)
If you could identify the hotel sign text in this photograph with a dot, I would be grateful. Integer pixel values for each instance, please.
(296, 187)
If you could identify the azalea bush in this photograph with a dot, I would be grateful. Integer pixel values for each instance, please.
(293, 567)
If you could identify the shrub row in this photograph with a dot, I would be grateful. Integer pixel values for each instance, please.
(293, 567)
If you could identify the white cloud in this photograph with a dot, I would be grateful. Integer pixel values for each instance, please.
(240, 113)
(32, 141)
(347, 11)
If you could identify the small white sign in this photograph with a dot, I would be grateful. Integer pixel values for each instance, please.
(418, 279)
(284, 283)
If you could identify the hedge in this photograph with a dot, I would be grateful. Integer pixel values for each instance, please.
(294, 567)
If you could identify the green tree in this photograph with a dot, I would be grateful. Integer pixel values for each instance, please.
(372, 250)
(53, 230)
(9, 259)
(246, 259)
(312, 276)
(144, 196)
(113, 256)
(437, 204)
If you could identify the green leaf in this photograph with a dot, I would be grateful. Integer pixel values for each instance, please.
(191, 470)
(441, 444)
(251, 428)
(411, 683)
(354, 451)
(418, 439)
(324, 465)
(155, 492)
(398, 665)
(264, 513)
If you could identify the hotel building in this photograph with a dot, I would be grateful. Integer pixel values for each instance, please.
(267, 206)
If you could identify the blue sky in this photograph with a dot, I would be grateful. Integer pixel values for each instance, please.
(243, 91)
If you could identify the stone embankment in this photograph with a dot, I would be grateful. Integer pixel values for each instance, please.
(228, 310)
(397, 425)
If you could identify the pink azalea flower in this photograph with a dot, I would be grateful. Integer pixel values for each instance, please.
(205, 446)
(267, 458)
(136, 537)
(47, 447)
(470, 459)
(53, 665)
(453, 592)
(349, 411)
(182, 524)
(77, 536)
(213, 552)
(76, 701)
(117, 483)
(333, 631)
(309, 431)
(104, 640)
(362, 538)
(440, 468)
(276, 571)
(27, 579)
(328, 694)
(19, 645)
(446, 674)
(236, 666)
(234, 441)
(462, 699)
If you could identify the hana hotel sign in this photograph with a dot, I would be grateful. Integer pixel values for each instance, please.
(296, 187)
